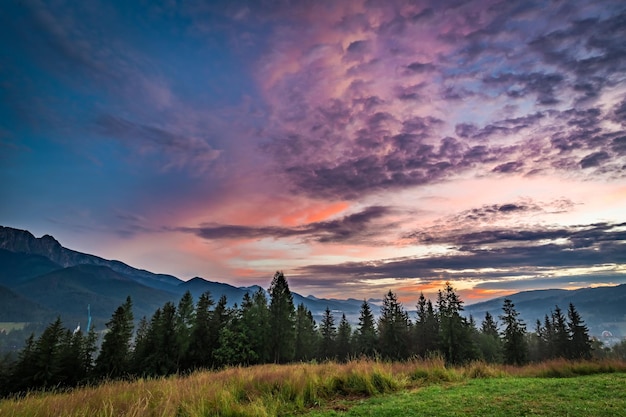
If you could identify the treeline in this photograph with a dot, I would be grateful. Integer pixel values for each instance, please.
(209, 334)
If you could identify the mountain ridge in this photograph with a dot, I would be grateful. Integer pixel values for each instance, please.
(30, 267)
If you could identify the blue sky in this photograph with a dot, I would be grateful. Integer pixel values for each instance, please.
(357, 146)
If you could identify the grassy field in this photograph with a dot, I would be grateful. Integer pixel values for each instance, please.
(358, 388)
(592, 395)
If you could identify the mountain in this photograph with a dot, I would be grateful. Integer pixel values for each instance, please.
(22, 241)
(40, 279)
(70, 290)
(15, 308)
(602, 308)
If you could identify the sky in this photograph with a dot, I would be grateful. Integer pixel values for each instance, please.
(358, 146)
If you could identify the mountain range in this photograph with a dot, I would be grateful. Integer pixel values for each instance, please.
(40, 280)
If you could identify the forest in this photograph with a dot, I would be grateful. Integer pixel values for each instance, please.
(181, 338)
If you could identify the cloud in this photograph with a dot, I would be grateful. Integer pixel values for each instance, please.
(586, 246)
(357, 228)
(180, 151)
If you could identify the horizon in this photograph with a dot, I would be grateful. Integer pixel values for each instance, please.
(357, 147)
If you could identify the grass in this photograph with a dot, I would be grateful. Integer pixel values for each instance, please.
(356, 387)
(592, 395)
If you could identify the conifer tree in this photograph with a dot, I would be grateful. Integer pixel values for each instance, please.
(198, 356)
(366, 338)
(184, 322)
(306, 334)
(282, 320)
(256, 319)
(113, 359)
(515, 348)
(47, 354)
(393, 329)
(580, 343)
(328, 333)
(489, 342)
(560, 334)
(455, 336)
(343, 347)
(220, 318)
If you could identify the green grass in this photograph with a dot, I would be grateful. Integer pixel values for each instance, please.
(358, 388)
(593, 395)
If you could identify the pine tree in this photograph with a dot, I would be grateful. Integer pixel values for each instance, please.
(282, 320)
(306, 335)
(393, 329)
(197, 354)
(560, 334)
(426, 328)
(456, 343)
(343, 347)
(113, 360)
(515, 348)
(488, 341)
(580, 343)
(220, 318)
(328, 333)
(21, 377)
(185, 316)
(47, 355)
(256, 319)
(366, 338)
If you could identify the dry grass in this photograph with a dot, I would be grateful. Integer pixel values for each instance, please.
(270, 390)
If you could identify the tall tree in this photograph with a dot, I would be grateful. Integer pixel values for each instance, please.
(328, 333)
(256, 319)
(306, 334)
(200, 338)
(282, 320)
(185, 316)
(366, 338)
(47, 355)
(489, 342)
(113, 360)
(515, 348)
(560, 334)
(580, 343)
(455, 336)
(393, 329)
(426, 328)
(343, 348)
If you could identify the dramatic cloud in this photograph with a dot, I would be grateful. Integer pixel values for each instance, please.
(355, 228)
(353, 144)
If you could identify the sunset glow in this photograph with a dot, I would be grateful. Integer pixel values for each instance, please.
(357, 146)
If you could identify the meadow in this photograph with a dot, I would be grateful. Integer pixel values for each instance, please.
(356, 388)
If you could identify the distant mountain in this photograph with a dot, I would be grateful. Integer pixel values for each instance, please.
(43, 279)
(40, 279)
(22, 241)
(602, 308)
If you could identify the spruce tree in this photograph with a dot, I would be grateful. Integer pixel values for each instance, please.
(343, 348)
(515, 349)
(560, 334)
(282, 320)
(455, 334)
(47, 354)
(580, 343)
(366, 338)
(306, 334)
(328, 333)
(393, 329)
(197, 354)
(113, 360)
(184, 322)
(489, 342)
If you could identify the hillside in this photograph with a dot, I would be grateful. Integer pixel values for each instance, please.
(602, 308)
(41, 279)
